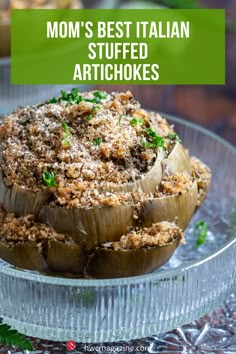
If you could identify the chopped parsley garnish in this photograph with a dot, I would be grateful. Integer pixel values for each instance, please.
(65, 96)
(88, 117)
(201, 232)
(49, 179)
(65, 142)
(174, 137)
(96, 107)
(119, 119)
(66, 128)
(53, 100)
(71, 97)
(97, 141)
(65, 139)
(98, 96)
(92, 100)
(76, 98)
(136, 121)
(156, 140)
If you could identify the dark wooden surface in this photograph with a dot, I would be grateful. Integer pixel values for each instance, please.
(211, 106)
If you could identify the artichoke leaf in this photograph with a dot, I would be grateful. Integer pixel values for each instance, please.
(66, 257)
(26, 255)
(174, 208)
(21, 201)
(107, 263)
(147, 184)
(177, 162)
(93, 225)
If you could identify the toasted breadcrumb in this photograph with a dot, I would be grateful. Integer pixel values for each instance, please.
(157, 235)
(174, 185)
(25, 228)
(202, 174)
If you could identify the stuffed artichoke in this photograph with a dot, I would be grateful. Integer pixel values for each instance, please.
(91, 185)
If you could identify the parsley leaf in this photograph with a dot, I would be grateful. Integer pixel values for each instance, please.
(74, 92)
(88, 117)
(97, 97)
(97, 141)
(65, 143)
(201, 232)
(53, 100)
(13, 338)
(92, 100)
(100, 94)
(174, 137)
(119, 119)
(49, 179)
(64, 95)
(75, 97)
(66, 135)
(136, 121)
(66, 128)
(71, 97)
(156, 140)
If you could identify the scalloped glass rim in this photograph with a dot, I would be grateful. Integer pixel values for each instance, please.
(142, 278)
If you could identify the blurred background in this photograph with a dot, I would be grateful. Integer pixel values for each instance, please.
(211, 106)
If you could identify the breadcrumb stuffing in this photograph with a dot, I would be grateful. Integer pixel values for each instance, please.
(202, 174)
(81, 194)
(174, 185)
(157, 235)
(25, 228)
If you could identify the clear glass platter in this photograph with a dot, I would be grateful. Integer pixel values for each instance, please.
(195, 281)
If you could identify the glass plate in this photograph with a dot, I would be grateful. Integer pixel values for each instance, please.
(195, 281)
